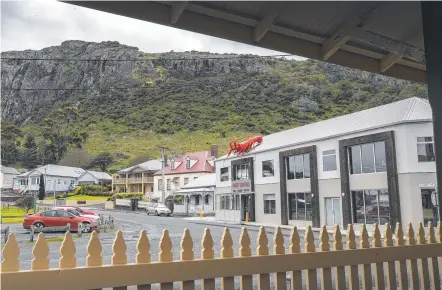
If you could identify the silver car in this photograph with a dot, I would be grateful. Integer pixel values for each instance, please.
(158, 209)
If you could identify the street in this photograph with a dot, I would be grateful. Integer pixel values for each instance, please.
(131, 224)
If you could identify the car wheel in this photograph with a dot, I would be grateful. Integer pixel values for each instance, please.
(86, 227)
(39, 226)
(156, 213)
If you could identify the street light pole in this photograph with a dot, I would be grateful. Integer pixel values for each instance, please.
(163, 165)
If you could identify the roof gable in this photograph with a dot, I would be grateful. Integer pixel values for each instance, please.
(200, 165)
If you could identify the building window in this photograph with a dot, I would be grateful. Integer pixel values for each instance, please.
(370, 206)
(186, 180)
(300, 206)
(225, 202)
(172, 164)
(58, 181)
(329, 160)
(428, 208)
(34, 180)
(241, 171)
(267, 168)
(269, 204)
(224, 174)
(197, 199)
(177, 183)
(188, 163)
(72, 181)
(236, 202)
(160, 184)
(425, 149)
(206, 199)
(367, 158)
(298, 166)
(65, 182)
(168, 184)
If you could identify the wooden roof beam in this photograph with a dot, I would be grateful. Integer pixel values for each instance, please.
(342, 34)
(267, 22)
(388, 61)
(176, 9)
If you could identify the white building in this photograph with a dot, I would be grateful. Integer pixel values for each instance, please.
(182, 170)
(196, 196)
(373, 166)
(94, 177)
(7, 175)
(57, 178)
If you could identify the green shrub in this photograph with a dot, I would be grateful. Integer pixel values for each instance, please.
(124, 195)
(93, 190)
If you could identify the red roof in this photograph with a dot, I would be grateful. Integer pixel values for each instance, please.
(202, 164)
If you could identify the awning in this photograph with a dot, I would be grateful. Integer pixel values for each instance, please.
(194, 190)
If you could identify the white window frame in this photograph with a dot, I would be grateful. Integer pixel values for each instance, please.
(265, 198)
(188, 164)
(360, 158)
(327, 153)
(424, 143)
(294, 164)
(221, 174)
(273, 168)
(172, 165)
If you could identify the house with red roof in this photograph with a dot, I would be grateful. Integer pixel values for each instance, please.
(180, 171)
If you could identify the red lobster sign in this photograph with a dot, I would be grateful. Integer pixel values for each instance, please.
(242, 148)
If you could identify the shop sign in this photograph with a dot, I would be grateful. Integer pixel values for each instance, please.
(242, 186)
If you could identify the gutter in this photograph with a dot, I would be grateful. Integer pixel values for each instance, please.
(321, 139)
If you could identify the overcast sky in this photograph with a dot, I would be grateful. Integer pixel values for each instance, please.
(37, 24)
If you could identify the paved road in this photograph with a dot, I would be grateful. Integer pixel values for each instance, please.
(131, 224)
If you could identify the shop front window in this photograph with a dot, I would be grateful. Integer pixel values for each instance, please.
(370, 206)
(300, 206)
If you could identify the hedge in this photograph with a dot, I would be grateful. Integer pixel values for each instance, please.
(93, 190)
(124, 195)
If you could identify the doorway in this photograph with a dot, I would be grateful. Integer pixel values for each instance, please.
(332, 211)
(247, 206)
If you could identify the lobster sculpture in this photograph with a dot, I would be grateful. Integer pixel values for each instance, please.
(245, 146)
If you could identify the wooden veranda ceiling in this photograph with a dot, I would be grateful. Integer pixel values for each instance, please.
(380, 37)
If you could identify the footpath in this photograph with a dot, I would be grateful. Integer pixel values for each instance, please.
(213, 222)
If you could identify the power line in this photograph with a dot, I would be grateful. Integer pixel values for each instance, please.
(143, 59)
(201, 83)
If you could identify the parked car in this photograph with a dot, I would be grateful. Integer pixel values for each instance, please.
(58, 218)
(79, 209)
(158, 209)
(75, 212)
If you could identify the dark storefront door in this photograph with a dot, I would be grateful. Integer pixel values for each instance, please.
(247, 206)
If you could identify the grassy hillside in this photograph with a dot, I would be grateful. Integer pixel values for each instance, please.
(187, 105)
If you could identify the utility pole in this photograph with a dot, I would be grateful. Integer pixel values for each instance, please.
(163, 166)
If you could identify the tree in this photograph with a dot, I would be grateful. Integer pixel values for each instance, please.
(76, 158)
(139, 159)
(29, 156)
(41, 188)
(25, 203)
(9, 143)
(102, 161)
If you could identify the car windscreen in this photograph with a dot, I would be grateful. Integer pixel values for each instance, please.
(74, 212)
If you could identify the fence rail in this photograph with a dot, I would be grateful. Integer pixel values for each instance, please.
(422, 253)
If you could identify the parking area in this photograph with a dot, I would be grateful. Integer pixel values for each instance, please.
(131, 224)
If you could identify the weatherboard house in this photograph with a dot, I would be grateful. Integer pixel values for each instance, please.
(57, 178)
(372, 166)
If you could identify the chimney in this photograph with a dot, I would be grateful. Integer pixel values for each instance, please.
(214, 150)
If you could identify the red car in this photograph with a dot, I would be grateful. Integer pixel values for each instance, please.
(58, 218)
(79, 209)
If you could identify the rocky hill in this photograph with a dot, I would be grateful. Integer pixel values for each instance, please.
(187, 99)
